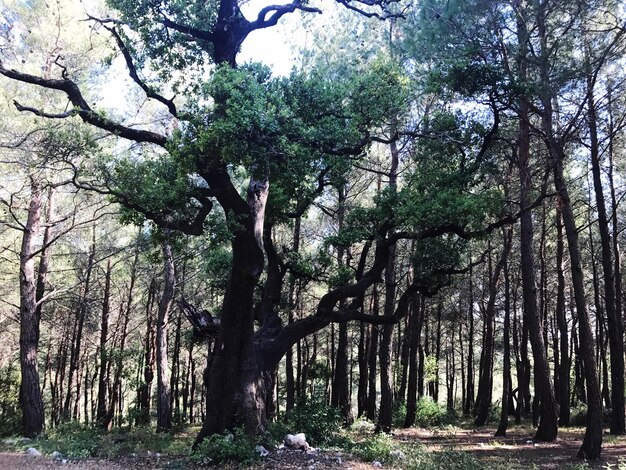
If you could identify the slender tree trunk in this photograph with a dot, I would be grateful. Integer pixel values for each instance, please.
(145, 389)
(614, 317)
(469, 394)
(289, 377)
(506, 367)
(386, 373)
(415, 327)
(103, 378)
(164, 410)
(486, 379)
(79, 322)
(341, 388)
(373, 359)
(31, 400)
(592, 442)
(563, 391)
(547, 430)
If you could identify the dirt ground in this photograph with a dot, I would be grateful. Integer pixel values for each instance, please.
(516, 451)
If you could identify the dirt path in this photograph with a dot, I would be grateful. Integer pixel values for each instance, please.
(517, 450)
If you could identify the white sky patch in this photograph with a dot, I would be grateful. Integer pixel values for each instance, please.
(273, 46)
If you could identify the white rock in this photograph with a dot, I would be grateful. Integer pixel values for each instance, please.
(377, 464)
(262, 451)
(64, 461)
(312, 451)
(529, 442)
(397, 454)
(310, 461)
(338, 460)
(297, 441)
(56, 455)
(31, 451)
(9, 441)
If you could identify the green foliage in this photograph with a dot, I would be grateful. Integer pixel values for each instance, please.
(10, 414)
(76, 440)
(418, 457)
(375, 447)
(398, 414)
(320, 422)
(73, 440)
(220, 449)
(431, 414)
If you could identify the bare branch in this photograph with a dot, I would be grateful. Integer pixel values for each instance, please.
(277, 12)
(132, 70)
(83, 109)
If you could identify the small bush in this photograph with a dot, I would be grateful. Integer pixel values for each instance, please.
(430, 413)
(317, 420)
(419, 458)
(375, 447)
(362, 426)
(398, 414)
(73, 440)
(10, 414)
(219, 449)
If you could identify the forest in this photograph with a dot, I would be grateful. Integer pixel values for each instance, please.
(407, 247)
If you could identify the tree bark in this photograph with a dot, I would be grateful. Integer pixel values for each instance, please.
(164, 410)
(614, 317)
(506, 367)
(485, 384)
(31, 400)
(563, 391)
(103, 379)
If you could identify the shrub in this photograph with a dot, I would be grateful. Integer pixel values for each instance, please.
(10, 415)
(375, 447)
(317, 420)
(219, 449)
(430, 414)
(398, 414)
(73, 440)
(362, 426)
(419, 458)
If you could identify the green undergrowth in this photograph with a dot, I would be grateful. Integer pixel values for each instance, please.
(76, 441)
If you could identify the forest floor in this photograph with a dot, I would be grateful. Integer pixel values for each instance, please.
(516, 451)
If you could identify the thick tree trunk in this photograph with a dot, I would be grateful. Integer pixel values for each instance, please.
(31, 400)
(237, 370)
(164, 410)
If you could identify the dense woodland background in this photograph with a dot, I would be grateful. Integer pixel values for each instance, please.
(429, 205)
